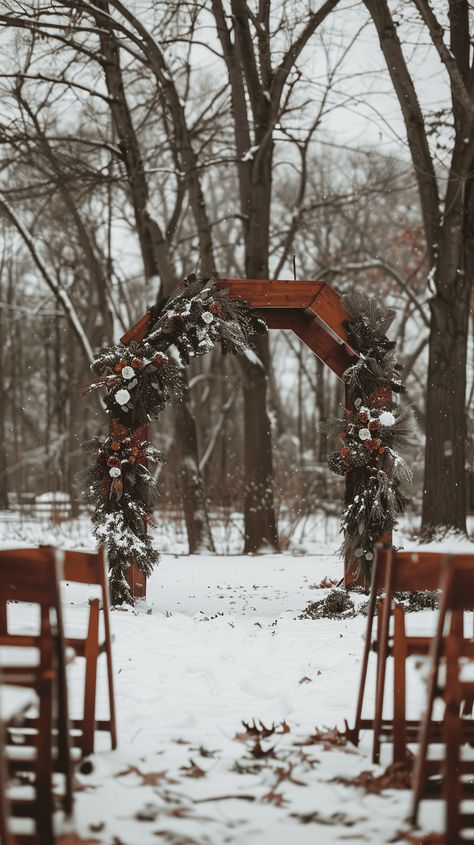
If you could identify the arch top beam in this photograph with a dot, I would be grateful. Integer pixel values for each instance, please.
(311, 309)
(318, 297)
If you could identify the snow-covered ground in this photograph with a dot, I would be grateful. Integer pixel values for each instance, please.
(219, 643)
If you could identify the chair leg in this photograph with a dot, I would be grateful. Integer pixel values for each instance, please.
(110, 686)
(382, 651)
(399, 686)
(354, 734)
(64, 737)
(4, 826)
(91, 654)
(44, 784)
(419, 771)
(452, 732)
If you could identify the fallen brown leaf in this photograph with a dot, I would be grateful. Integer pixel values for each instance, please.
(205, 752)
(252, 730)
(247, 769)
(325, 584)
(192, 770)
(334, 820)
(80, 786)
(396, 776)
(287, 774)
(259, 753)
(148, 778)
(173, 838)
(148, 813)
(328, 738)
(275, 798)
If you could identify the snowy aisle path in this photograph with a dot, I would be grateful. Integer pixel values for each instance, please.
(221, 645)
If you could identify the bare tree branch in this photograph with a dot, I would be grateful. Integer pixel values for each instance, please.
(60, 293)
(458, 89)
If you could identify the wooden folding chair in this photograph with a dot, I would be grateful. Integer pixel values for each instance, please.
(393, 571)
(5, 832)
(33, 576)
(457, 596)
(90, 568)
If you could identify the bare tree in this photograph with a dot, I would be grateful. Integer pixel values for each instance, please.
(448, 218)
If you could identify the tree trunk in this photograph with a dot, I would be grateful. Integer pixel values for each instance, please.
(259, 513)
(444, 499)
(157, 261)
(194, 503)
(444, 494)
(3, 408)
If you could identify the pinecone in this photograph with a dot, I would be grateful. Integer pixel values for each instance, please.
(358, 456)
(338, 463)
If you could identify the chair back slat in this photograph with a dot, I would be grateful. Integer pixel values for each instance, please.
(459, 572)
(30, 575)
(379, 571)
(411, 571)
(84, 567)
(417, 570)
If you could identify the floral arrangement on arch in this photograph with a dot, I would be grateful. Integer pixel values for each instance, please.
(371, 433)
(140, 380)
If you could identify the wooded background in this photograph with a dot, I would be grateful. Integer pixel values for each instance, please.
(143, 141)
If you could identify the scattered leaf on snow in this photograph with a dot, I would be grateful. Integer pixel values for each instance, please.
(312, 762)
(246, 768)
(325, 584)
(205, 752)
(328, 738)
(192, 770)
(252, 730)
(96, 827)
(148, 813)
(275, 798)
(147, 778)
(287, 774)
(335, 819)
(396, 776)
(172, 838)
(305, 680)
(259, 753)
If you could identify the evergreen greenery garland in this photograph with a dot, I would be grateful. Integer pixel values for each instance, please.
(371, 433)
(140, 381)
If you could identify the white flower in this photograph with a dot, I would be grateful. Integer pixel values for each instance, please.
(114, 472)
(365, 434)
(386, 418)
(207, 317)
(122, 397)
(128, 372)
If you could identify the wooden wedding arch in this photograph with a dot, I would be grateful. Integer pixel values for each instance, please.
(312, 310)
